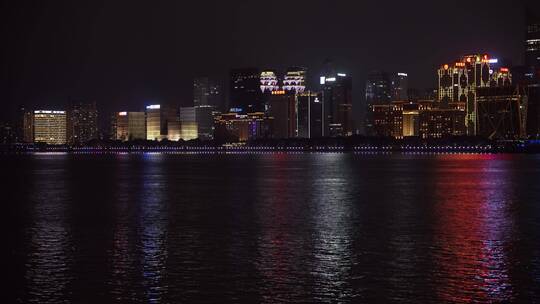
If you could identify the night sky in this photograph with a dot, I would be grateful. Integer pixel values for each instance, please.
(127, 54)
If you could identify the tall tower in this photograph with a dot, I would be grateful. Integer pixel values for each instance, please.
(337, 105)
(458, 83)
(245, 92)
(82, 122)
(294, 81)
(532, 41)
(378, 92)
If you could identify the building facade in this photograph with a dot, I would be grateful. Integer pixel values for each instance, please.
(162, 122)
(294, 81)
(82, 122)
(233, 127)
(245, 94)
(337, 105)
(502, 113)
(129, 126)
(207, 92)
(282, 108)
(459, 82)
(309, 114)
(50, 127)
(188, 123)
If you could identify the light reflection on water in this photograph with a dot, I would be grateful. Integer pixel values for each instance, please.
(277, 228)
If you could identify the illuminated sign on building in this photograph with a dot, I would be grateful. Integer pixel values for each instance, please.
(153, 107)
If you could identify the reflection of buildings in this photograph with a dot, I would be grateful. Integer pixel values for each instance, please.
(82, 124)
(231, 127)
(337, 104)
(130, 126)
(473, 230)
(50, 127)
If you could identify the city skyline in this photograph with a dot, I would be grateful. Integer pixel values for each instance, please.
(84, 62)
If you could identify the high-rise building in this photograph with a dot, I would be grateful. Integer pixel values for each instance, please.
(459, 82)
(424, 119)
(269, 81)
(82, 124)
(337, 102)
(204, 116)
(130, 126)
(162, 122)
(532, 41)
(502, 112)
(400, 86)
(50, 127)
(309, 111)
(207, 92)
(27, 126)
(283, 110)
(188, 123)
(294, 81)
(378, 92)
(245, 92)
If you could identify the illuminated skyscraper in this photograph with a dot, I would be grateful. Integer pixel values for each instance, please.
(130, 126)
(162, 123)
(50, 127)
(294, 81)
(233, 127)
(337, 105)
(378, 92)
(282, 109)
(532, 41)
(459, 82)
(207, 92)
(245, 91)
(269, 81)
(82, 124)
(309, 111)
(400, 86)
(188, 123)
(204, 116)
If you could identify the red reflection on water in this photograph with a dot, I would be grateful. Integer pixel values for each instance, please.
(472, 228)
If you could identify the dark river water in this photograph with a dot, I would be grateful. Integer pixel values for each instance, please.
(267, 228)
